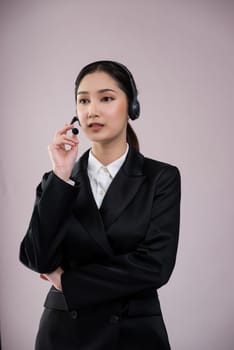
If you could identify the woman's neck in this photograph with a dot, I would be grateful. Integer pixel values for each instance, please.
(108, 153)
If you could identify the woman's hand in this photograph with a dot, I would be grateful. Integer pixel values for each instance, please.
(63, 152)
(54, 277)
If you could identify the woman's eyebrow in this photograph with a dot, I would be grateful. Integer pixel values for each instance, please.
(105, 90)
(99, 91)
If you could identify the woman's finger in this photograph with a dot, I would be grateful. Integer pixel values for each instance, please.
(43, 277)
(64, 130)
(64, 139)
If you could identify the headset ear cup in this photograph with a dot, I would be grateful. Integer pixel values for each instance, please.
(134, 110)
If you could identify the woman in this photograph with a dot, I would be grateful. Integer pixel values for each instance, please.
(104, 230)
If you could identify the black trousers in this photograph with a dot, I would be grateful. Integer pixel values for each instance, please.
(106, 327)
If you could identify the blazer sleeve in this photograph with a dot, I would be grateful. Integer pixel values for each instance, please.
(150, 266)
(41, 248)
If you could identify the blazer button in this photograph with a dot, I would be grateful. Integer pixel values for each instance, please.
(74, 314)
(114, 319)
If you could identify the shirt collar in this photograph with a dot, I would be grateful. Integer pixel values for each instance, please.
(94, 165)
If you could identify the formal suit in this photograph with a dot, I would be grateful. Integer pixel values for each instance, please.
(114, 258)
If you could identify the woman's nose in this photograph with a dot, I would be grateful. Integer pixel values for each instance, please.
(93, 110)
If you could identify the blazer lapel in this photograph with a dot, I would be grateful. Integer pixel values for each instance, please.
(86, 208)
(123, 188)
(121, 192)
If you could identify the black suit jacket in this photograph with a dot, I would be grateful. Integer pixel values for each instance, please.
(125, 248)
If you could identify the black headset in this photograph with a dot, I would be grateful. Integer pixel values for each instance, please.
(134, 105)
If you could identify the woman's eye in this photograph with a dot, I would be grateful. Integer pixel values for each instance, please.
(107, 99)
(83, 100)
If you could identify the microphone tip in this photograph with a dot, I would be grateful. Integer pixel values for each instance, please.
(75, 131)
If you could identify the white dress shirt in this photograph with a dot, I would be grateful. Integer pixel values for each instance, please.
(101, 176)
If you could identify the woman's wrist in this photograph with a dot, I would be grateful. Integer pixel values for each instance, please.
(63, 174)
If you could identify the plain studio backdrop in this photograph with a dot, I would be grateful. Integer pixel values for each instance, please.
(181, 54)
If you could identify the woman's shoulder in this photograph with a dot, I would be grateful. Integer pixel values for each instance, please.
(158, 164)
(154, 167)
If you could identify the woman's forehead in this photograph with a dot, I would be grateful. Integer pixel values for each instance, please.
(97, 81)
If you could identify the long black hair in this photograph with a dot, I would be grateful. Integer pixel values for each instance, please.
(125, 81)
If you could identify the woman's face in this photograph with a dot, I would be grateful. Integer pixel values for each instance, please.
(102, 108)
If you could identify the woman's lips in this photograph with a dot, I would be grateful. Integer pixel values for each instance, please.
(96, 126)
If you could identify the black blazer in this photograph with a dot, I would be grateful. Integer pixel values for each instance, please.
(125, 248)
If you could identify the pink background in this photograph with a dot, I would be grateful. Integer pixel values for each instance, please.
(182, 56)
